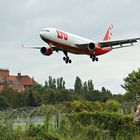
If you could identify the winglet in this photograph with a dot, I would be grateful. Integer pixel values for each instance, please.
(108, 33)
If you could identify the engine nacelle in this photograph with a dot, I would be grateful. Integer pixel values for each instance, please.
(91, 46)
(46, 51)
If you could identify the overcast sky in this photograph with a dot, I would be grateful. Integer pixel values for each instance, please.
(22, 20)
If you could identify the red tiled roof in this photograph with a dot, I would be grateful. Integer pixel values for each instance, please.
(12, 78)
(25, 80)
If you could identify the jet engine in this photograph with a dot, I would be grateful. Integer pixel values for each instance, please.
(46, 51)
(91, 46)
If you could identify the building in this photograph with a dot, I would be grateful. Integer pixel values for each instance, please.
(17, 82)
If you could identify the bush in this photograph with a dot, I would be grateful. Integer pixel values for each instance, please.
(34, 131)
(4, 102)
(6, 133)
(40, 132)
(115, 123)
(113, 105)
(79, 106)
(51, 136)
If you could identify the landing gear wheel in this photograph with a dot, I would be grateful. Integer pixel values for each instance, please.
(96, 59)
(64, 58)
(93, 59)
(70, 61)
(67, 61)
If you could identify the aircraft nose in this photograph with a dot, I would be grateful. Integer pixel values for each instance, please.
(42, 34)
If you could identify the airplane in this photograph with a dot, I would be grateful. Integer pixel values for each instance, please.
(59, 40)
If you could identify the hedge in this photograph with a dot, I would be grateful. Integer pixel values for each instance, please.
(115, 123)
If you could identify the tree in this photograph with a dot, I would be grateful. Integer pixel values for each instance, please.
(105, 94)
(85, 88)
(4, 102)
(30, 99)
(90, 86)
(60, 83)
(118, 97)
(63, 96)
(7, 90)
(46, 84)
(78, 85)
(52, 82)
(49, 96)
(18, 100)
(132, 82)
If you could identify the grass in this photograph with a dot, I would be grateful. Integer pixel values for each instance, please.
(24, 125)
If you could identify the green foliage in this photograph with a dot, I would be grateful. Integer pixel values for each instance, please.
(53, 92)
(78, 106)
(33, 131)
(78, 88)
(52, 136)
(92, 132)
(30, 101)
(39, 132)
(132, 86)
(52, 82)
(60, 83)
(132, 82)
(6, 133)
(79, 120)
(113, 105)
(7, 89)
(97, 95)
(3, 102)
(118, 97)
(106, 94)
(114, 123)
(90, 86)
(85, 88)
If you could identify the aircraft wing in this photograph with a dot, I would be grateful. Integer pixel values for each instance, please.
(121, 43)
(31, 47)
(39, 47)
(83, 46)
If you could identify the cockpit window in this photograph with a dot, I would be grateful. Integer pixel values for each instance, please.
(46, 30)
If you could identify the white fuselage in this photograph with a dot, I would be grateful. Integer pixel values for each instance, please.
(64, 40)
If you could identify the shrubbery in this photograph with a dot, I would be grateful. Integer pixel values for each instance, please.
(82, 125)
(115, 123)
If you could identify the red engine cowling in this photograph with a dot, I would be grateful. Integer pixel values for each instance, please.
(46, 51)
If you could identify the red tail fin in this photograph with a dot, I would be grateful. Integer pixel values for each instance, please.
(108, 33)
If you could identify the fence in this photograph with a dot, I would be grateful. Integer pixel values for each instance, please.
(33, 115)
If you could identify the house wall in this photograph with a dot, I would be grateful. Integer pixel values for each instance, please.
(19, 83)
(4, 75)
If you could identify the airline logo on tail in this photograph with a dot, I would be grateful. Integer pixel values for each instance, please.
(108, 33)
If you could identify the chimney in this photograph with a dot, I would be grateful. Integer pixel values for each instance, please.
(19, 75)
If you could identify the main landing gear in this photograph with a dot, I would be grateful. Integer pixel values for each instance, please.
(94, 58)
(67, 59)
